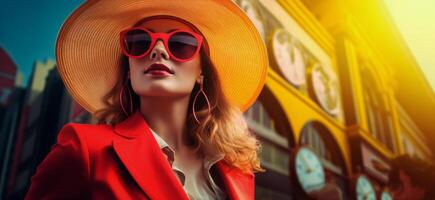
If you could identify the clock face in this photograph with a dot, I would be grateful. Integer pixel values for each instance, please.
(288, 57)
(325, 88)
(309, 170)
(364, 189)
(386, 196)
(254, 15)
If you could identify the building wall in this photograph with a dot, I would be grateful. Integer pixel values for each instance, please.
(368, 127)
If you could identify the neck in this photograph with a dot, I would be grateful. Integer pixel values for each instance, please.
(167, 117)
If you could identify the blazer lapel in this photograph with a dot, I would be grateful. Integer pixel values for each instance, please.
(145, 161)
(238, 185)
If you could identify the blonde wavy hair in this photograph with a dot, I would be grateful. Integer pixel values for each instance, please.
(224, 128)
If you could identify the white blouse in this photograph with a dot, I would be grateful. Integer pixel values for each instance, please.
(196, 185)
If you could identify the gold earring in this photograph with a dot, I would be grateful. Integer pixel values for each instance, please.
(201, 91)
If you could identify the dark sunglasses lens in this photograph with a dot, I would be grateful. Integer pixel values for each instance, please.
(137, 42)
(183, 45)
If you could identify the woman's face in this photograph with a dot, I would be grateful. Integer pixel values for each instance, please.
(176, 84)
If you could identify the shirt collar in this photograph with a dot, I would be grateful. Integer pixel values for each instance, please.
(211, 154)
(160, 140)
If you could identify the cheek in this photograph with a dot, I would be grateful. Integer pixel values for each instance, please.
(135, 73)
(135, 66)
(189, 71)
(185, 79)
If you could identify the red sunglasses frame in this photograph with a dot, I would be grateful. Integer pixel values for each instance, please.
(164, 37)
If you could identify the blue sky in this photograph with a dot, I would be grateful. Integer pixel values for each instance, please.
(28, 29)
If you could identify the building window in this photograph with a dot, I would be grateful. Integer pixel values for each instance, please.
(274, 154)
(274, 157)
(311, 136)
(378, 117)
(258, 114)
(316, 136)
(411, 148)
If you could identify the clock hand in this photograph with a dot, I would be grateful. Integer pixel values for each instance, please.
(366, 195)
(308, 170)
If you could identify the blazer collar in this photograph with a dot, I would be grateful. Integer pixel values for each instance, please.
(144, 160)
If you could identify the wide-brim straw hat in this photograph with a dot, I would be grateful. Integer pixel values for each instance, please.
(88, 50)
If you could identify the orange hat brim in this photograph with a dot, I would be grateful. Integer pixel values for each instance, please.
(88, 52)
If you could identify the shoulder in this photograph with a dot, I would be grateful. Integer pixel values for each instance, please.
(87, 127)
(85, 133)
(83, 130)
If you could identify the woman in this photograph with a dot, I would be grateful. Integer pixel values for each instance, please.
(169, 105)
(411, 178)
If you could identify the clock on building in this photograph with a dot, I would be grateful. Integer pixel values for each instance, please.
(324, 88)
(288, 56)
(255, 16)
(308, 169)
(364, 189)
(386, 195)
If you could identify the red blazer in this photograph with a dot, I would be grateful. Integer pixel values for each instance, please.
(118, 162)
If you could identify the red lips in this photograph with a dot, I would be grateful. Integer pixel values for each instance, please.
(160, 67)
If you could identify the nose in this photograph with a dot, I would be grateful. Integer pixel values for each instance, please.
(159, 51)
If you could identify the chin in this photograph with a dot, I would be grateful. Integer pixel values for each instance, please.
(154, 93)
(162, 92)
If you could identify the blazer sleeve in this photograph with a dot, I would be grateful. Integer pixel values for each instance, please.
(65, 171)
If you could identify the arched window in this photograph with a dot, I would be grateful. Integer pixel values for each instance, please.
(315, 135)
(274, 153)
(318, 137)
(378, 116)
(268, 122)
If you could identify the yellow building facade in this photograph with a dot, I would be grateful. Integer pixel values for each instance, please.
(339, 83)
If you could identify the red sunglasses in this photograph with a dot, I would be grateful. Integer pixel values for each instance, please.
(182, 45)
